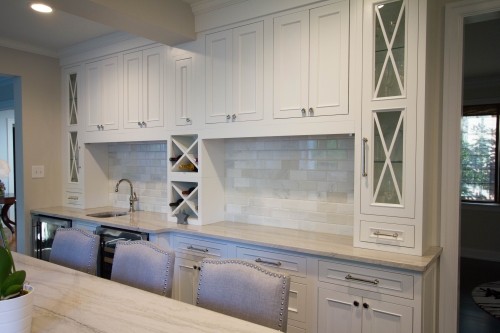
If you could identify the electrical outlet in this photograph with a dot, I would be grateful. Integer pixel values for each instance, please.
(37, 171)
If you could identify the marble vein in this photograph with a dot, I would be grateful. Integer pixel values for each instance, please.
(313, 243)
(70, 301)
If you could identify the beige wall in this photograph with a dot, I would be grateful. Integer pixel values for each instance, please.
(41, 132)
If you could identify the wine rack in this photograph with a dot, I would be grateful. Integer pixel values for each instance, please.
(189, 201)
(184, 148)
(205, 203)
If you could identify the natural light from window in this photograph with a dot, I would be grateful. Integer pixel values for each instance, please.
(479, 146)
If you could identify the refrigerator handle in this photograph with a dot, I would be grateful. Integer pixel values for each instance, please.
(101, 264)
(38, 239)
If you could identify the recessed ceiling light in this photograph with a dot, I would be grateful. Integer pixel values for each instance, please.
(41, 8)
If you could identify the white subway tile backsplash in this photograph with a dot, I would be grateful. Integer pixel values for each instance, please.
(304, 183)
(145, 164)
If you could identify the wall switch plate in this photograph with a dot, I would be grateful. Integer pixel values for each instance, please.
(37, 171)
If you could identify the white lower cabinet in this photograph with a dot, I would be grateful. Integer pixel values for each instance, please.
(185, 280)
(344, 313)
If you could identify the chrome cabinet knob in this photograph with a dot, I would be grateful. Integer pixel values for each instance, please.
(228, 117)
(234, 116)
(188, 120)
(102, 127)
(303, 111)
(311, 110)
(143, 123)
(98, 127)
(139, 123)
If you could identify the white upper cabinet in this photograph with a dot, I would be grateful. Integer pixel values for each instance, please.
(71, 86)
(248, 72)
(184, 94)
(389, 119)
(143, 88)
(234, 74)
(102, 95)
(311, 61)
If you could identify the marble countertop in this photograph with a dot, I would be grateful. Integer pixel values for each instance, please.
(315, 243)
(70, 301)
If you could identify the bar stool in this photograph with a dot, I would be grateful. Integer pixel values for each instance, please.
(75, 248)
(143, 265)
(245, 290)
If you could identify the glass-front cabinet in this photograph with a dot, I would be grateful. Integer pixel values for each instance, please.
(71, 106)
(388, 142)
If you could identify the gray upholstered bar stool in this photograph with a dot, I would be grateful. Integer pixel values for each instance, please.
(245, 290)
(75, 248)
(144, 265)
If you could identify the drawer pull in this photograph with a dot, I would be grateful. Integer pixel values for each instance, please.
(268, 262)
(350, 277)
(191, 247)
(378, 233)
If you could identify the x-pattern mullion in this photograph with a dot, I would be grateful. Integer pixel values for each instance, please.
(73, 109)
(389, 45)
(388, 152)
(73, 148)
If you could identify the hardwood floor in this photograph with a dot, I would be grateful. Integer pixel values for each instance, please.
(473, 273)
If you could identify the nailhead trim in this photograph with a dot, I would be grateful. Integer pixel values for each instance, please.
(239, 262)
(151, 246)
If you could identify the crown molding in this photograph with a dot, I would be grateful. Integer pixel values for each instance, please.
(95, 43)
(206, 6)
(12, 44)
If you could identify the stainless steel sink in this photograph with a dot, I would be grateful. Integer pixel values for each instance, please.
(107, 214)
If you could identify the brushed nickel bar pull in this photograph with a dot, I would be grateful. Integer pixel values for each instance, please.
(350, 277)
(268, 262)
(191, 247)
(363, 157)
(378, 233)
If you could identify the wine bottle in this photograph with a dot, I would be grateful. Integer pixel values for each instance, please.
(189, 191)
(196, 159)
(175, 204)
(174, 159)
(189, 167)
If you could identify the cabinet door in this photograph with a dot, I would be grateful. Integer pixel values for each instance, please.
(248, 72)
(185, 280)
(389, 108)
(71, 85)
(291, 65)
(152, 87)
(329, 60)
(337, 312)
(132, 87)
(218, 76)
(93, 96)
(110, 95)
(184, 91)
(383, 317)
(74, 160)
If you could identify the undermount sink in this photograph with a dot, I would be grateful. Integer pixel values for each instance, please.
(107, 214)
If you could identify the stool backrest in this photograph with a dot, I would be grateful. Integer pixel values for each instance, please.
(143, 265)
(245, 290)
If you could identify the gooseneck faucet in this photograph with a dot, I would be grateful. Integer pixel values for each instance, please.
(133, 197)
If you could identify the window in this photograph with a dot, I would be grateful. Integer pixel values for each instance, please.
(480, 153)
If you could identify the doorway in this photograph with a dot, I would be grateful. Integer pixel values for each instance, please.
(469, 173)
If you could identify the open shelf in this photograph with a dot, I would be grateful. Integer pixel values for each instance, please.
(185, 148)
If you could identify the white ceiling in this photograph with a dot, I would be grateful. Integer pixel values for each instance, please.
(23, 28)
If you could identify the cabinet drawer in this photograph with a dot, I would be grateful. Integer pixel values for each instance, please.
(199, 247)
(384, 282)
(387, 233)
(285, 263)
(74, 198)
(297, 302)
